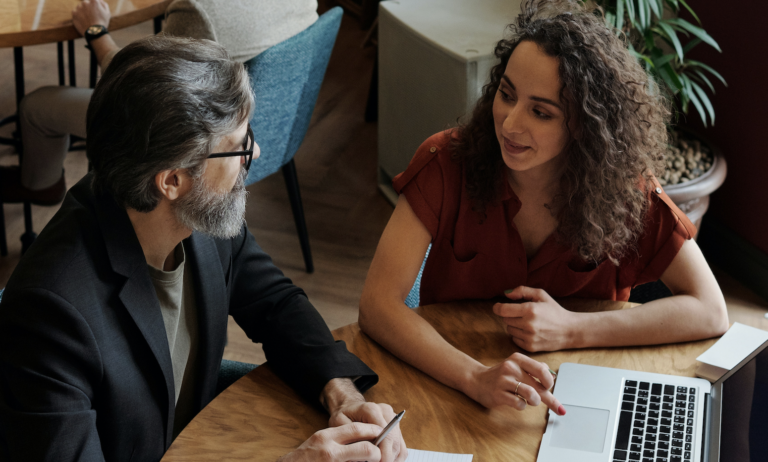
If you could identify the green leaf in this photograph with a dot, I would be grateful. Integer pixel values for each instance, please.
(689, 93)
(689, 10)
(673, 4)
(648, 11)
(704, 100)
(670, 33)
(697, 31)
(699, 108)
(684, 104)
(680, 29)
(662, 60)
(631, 11)
(619, 14)
(641, 13)
(649, 39)
(691, 62)
(670, 77)
(686, 84)
(640, 56)
(653, 5)
(704, 79)
(689, 46)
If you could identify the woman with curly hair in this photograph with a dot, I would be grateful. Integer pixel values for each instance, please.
(547, 191)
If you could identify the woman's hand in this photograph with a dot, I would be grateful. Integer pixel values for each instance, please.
(538, 324)
(499, 385)
(348, 442)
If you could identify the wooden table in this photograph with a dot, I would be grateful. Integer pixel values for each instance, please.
(30, 22)
(259, 418)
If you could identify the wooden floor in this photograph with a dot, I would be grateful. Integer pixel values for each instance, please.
(337, 172)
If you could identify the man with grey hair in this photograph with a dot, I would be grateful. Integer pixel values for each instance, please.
(113, 325)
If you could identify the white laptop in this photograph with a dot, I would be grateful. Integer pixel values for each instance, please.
(629, 416)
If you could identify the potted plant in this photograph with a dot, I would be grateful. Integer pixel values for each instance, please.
(661, 40)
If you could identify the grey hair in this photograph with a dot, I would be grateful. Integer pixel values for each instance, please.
(163, 103)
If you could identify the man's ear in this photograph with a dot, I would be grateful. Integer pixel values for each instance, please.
(172, 184)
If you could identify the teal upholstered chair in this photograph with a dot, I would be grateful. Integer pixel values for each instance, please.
(414, 298)
(286, 79)
(230, 372)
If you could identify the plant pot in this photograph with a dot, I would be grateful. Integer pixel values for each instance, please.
(692, 197)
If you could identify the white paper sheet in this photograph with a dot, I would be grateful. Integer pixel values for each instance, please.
(414, 455)
(734, 346)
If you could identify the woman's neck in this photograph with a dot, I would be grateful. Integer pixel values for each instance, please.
(542, 180)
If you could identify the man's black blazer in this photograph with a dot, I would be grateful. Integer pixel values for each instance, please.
(85, 368)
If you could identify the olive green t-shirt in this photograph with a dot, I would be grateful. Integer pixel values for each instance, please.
(176, 295)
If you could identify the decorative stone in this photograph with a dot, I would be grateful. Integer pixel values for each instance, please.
(686, 161)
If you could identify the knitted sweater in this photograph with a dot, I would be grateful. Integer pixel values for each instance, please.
(245, 28)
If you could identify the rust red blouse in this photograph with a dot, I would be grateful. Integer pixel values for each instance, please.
(474, 260)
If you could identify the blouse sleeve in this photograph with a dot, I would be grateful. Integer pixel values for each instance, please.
(422, 183)
(666, 229)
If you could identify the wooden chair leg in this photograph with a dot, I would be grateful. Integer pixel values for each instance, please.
(294, 194)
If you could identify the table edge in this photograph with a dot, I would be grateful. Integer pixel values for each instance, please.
(66, 31)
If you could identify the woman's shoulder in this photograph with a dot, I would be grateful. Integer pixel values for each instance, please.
(437, 146)
(662, 204)
(433, 159)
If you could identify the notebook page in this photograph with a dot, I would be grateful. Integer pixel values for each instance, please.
(734, 346)
(414, 455)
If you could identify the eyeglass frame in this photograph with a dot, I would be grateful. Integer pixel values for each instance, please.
(248, 153)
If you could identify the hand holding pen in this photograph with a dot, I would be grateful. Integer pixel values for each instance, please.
(392, 445)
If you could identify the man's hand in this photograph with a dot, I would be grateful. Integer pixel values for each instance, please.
(90, 13)
(348, 442)
(347, 405)
(499, 385)
(539, 324)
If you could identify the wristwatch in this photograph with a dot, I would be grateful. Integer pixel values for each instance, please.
(94, 32)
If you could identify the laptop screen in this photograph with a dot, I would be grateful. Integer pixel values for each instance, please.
(744, 422)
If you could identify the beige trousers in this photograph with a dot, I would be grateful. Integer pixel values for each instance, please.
(48, 116)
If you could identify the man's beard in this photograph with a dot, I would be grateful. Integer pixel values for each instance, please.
(219, 215)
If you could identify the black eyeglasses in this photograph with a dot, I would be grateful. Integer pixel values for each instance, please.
(248, 144)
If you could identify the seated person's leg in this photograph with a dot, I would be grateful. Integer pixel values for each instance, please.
(48, 116)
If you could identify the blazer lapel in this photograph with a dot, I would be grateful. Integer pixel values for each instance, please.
(212, 304)
(138, 294)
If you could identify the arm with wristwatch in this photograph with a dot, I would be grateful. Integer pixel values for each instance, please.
(91, 19)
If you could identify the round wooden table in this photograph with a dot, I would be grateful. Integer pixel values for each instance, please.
(260, 418)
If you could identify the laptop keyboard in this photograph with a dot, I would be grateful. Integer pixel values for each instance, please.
(656, 423)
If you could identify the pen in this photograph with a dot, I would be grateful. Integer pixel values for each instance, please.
(388, 428)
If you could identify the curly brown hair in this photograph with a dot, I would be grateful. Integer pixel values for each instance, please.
(622, 115)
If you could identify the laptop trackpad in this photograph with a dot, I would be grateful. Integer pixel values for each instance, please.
(581, 428)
